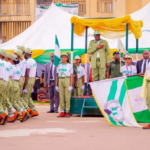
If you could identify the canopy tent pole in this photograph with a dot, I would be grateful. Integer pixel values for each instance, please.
(86, 32)
(127, 27)
(72, 38)
(137, 47)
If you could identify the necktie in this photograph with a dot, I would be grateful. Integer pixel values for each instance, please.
(51, 70)
(91, 75)
(144, 68)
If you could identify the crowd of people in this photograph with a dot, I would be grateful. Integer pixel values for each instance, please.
(17, 78)
(71, 80)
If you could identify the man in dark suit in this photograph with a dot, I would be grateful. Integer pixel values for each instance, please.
(50, 76)
(142, 64)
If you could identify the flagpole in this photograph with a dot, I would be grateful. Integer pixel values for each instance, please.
(72, 37)
(85, 89)
(137, 47)
(127, 27)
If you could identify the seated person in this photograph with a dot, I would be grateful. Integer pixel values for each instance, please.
(128, 69)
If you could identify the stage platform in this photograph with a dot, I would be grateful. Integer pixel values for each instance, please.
(84, 105)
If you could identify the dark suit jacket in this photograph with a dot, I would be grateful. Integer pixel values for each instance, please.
(139, 65)
(47, 73)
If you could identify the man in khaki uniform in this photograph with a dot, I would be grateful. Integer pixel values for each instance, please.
(100, 52)
(114, 68)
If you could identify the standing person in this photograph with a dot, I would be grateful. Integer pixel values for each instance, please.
(142, 64)
(19, 52)
(50, 76)
(81, 80)
(128, 69)
(15, 96)
(100, 52)
(114, 68)
(65, 74)
(3, 115)
(13, 114)
(29, 81)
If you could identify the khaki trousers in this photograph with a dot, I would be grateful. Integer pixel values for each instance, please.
(21, 84)
(78, 91)
(148, 95)
(64, 94)
(1, 94)
(98, 72)
(15, 96)
(27, 96)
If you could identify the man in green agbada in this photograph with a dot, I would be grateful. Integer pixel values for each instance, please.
(100, 60)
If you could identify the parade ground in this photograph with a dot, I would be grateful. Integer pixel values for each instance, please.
(47, 132)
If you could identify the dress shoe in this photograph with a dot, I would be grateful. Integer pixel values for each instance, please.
(50, 111)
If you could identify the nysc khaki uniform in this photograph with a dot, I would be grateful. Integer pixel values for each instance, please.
(64, 73)
(99, 63)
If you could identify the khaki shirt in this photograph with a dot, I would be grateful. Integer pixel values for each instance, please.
(104, 53)
(114, 69)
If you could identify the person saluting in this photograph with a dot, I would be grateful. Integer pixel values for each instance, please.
(100, 56)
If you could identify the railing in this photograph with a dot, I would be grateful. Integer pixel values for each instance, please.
(14, 9)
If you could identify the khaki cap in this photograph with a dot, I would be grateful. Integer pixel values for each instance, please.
(128, 56)
(2, 52)
(18, 52)
(28, 51)
(97, 32)
(22, 48)
(8, 55)
(14, 57)
(64, 54)
(77, 57)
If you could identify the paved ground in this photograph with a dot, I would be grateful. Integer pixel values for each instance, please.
(47, 132)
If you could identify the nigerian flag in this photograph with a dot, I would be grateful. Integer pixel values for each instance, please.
(112, 98)
(139, 107)
(56, 52)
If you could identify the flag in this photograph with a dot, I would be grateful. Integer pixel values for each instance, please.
(139, 107)
(120, 47)
(112, 98)
(56, 52)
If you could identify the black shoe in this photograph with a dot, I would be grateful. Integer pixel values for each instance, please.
(51, 111)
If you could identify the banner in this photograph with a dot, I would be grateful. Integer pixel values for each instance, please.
(71, 8)
(117, 97)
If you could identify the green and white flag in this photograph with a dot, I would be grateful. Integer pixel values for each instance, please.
(112, 98)
(56, 52)
(139, 107)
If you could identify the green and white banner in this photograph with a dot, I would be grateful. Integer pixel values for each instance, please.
(117, 97)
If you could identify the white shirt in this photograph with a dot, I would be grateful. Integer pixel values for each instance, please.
(65, 70)
(128, 70)
(52, 70)
(142, 69)
(10, 69)
(98, 43)
(31, 64)
(81, 71)
(23, 67)
(6, 71)
(2, 69)
(16, 72)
